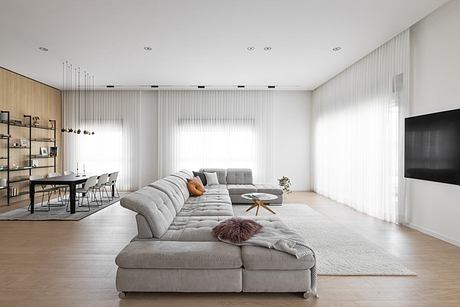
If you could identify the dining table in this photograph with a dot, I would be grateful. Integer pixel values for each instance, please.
(72, 181)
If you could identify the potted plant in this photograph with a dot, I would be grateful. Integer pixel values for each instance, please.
(285, 184)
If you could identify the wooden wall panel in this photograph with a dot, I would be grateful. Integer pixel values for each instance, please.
(21, 95)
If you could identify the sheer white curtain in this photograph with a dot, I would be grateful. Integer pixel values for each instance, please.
(357, 132)
(114, 117)
(215, 129)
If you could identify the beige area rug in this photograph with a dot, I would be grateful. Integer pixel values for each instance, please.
(339, 251)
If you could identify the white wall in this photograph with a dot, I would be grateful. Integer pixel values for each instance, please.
(434, 208)
(292, 137)
(291, 122)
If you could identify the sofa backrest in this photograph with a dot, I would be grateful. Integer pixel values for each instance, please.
(239, 176)
(221, 174)
(154, 205)
(171, 186)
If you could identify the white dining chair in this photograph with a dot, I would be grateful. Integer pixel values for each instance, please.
(101, 185)
(86, 192)
(60, 188)
(43, 189)
(112, 182)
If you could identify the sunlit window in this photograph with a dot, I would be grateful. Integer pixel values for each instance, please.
(223, 144)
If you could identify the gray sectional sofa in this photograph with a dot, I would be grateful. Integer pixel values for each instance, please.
(176, 251)
(238, 181)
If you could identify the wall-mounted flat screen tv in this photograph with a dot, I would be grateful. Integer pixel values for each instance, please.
(432, 147)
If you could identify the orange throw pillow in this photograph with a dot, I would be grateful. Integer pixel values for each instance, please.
(198, 179)
(193, 187)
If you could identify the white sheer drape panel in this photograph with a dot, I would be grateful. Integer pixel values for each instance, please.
(216, 129)
(357, 132)
(114, 117)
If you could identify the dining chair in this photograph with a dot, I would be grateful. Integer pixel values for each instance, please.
(113, 182)
(43, 189)
(101, 185)
(60, 188)
(86, 192)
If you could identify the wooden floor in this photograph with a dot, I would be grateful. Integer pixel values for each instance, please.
(72, 264)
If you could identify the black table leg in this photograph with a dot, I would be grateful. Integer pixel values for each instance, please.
(32, 197)
(113, 190)
(72, 193)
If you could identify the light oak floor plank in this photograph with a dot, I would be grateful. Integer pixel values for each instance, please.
(66, 263)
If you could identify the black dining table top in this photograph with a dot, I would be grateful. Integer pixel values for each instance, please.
(62, 179)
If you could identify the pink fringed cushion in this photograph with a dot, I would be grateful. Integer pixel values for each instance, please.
(236, 229)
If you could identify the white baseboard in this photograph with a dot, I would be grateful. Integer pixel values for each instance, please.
(434, 234)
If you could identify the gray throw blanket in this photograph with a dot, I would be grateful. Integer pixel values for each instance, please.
(280, 237)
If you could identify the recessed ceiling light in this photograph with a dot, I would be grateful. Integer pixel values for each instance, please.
(268, 48)
(43, 48)
(336, 48)
(147, 48)
(251, 48)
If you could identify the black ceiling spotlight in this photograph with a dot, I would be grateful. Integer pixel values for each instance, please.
(271, 86)
(92, 133)
(63, 130)
(78, 131)
(201, 86)
(241, 86)
(154, 86)
(70, 130)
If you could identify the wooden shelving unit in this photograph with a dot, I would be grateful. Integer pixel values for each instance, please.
(18, 150)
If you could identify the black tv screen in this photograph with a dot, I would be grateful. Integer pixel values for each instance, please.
(432, 147)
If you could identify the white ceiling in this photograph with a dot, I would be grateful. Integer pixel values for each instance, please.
(201, 41)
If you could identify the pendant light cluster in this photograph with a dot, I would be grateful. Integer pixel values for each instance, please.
(78, 88)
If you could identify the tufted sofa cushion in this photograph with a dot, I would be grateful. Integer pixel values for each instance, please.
(179, 255)
(241, 189)
(221, 174)
(173, 191)
(154, 205)
(268, 188)
(239, 176)
(192, 228)
(182, 175)
(209, 198)
(206, 209)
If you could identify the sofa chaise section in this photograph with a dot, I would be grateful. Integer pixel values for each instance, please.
(174, 266)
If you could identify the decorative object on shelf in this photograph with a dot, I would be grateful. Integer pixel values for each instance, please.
(35, 121)
(14, 191)
(23, 143)
(53, 151)
(15, 122)
(34, 163)
(43, 151)
(285, 184)
(79, 87)
(3, 116)
(3, 182)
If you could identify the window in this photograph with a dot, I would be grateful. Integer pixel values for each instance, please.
(221, 143)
